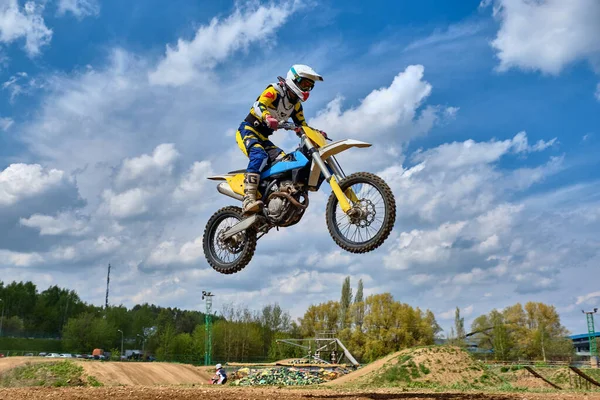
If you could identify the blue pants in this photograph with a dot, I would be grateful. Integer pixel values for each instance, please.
(258, 148)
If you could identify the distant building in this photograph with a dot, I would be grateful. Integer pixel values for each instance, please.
(582, 343)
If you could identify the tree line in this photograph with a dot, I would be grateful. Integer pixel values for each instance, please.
(370, 327)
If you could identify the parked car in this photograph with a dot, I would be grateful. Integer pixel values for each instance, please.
(43, 354)
(53, 355)
(66, 355)
(28, 354)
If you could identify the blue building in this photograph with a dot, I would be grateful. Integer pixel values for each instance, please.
(582, 343)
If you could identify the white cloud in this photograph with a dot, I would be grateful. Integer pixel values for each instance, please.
(10, 258)
(26, 22)
(213, 43)
(546, 35)
(424, 247)
(132, 203)
(193, 184)
(148, 167)
(168, 253)
(79, 8)
(420, 279)
(19, 181)
(587, 297)
(385, 110)
(6, 123)
(62, 224)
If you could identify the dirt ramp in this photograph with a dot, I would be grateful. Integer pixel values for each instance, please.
(146, 374)
(7, 363)
(435, 366)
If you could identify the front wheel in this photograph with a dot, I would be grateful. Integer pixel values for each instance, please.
(228, 256)
(372, 216)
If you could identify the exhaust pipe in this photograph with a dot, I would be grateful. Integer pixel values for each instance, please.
(225, 189)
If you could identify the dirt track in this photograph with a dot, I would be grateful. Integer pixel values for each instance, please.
(221, 393)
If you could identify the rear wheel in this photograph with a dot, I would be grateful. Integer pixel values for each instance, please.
(228, 256)
(371, 219)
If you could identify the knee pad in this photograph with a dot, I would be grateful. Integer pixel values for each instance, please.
(258, 159)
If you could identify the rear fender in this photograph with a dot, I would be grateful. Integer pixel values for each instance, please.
(235, 182)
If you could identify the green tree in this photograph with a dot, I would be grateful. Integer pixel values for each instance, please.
(87, 332)
(345, 302)
(359, 306)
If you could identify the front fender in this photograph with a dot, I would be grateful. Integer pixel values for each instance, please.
(339, 146)
(331, 150)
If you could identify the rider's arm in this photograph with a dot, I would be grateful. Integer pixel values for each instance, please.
(266, 99)
(298, 115)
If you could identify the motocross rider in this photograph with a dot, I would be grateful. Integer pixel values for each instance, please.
(277, 103)
(220, 377)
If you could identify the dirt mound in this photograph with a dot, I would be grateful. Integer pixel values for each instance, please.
(435, 366)
(126, 373)
(147, 374)
(7, 363)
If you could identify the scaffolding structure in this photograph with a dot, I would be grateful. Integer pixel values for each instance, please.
(326, 349)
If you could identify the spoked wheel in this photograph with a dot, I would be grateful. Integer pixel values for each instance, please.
(371, 218)
(228, 256)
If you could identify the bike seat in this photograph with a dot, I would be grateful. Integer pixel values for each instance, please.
(237, 171)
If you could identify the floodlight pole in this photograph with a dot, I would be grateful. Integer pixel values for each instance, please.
(591, 332)
(207, 327)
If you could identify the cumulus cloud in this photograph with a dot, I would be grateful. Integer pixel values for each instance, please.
(385, 110)
(213, 43)
(547, 35)
(587, 297)
(79, 8)
(11, 258)
(21, 181)
(147, 167)
(169, 253)
(24, 23)
(61, 224)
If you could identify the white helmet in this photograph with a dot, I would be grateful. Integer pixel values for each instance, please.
(218, 366)
(301, 79)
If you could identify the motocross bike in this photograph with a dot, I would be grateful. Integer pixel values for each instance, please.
(360, 213)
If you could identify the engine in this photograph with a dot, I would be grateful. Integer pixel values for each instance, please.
(286, 203)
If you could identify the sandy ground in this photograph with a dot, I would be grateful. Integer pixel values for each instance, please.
(221, 393)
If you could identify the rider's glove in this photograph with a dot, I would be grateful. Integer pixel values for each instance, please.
(271, 122)
(324, 134)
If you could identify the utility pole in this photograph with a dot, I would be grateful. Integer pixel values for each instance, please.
(107, 283)
(592, 336)
(143, 346)
(118, 330)
(207, 327)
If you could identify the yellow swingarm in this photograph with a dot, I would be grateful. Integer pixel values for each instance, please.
(340, 195)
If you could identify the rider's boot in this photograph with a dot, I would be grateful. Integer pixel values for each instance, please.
(250, 204)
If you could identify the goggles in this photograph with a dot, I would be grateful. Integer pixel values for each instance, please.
(305, 84)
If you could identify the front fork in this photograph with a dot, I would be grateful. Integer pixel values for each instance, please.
(342, 196)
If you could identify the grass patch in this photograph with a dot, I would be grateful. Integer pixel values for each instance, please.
(424, 369)
(62, 373)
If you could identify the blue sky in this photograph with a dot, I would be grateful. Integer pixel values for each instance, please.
(484, 117)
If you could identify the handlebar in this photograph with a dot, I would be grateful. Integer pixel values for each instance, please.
(289, 126)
